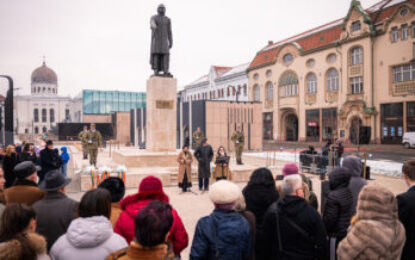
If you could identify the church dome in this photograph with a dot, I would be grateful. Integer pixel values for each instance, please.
(44, 74)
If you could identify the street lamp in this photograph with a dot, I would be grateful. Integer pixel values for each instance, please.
(8, 117)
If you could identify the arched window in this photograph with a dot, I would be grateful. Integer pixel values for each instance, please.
(245, 90)
(356, 56)
(44, 130)
(44, 115)
(49, 90)
(288, 58)
(332, 80)
(36, 130)
(36, 115)
(269, 88)
(52, 115)
(257, 93)
(311, 83)
(228, 91)
(38, 90)
(44, 89)
(288, 85)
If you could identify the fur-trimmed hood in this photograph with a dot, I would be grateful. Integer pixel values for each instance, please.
(12, 250)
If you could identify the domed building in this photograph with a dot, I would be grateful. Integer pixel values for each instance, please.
(43, 109)
(44, 81)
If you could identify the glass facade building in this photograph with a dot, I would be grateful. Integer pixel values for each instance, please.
(105, 102)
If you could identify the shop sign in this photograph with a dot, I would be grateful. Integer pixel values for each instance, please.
(312, 124)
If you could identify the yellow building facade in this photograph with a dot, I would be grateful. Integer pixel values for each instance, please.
(353, 78)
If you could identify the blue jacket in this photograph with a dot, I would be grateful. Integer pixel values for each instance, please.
(233, 236)
(65, 155)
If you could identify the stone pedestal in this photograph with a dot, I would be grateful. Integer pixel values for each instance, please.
(161, 114)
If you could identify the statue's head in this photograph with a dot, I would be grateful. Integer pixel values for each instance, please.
(161, 9)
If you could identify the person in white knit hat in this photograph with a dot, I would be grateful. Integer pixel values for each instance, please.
(224, 234)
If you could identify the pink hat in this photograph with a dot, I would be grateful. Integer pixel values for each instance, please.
(290, 169)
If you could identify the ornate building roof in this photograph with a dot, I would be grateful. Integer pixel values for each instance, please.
(326, 34)
(44, 74)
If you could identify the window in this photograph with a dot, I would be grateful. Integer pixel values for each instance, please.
(245, 90)
(288, 58)
(36, 130)
(404, 12)
(413, 29)
(270, 91)
(44, 130)
(36, 115)
(332, 80)
(356, 85)
(288, 85)
(67, 115)
(395, 34)
(228, 91)
(331, 58)
(356, 55)
(405, 32)
(52, 115)
(257, 93)
(310, 63)
(311, 83)
(404, 73)
(256, 76)
(356, 26)
(44, 115)
(269, 73)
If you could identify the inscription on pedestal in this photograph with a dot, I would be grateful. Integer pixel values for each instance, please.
(164, 104)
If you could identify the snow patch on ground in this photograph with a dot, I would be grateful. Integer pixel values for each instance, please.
(379, 167)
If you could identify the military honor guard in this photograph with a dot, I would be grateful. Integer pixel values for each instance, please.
(94, 140)
(239, 140)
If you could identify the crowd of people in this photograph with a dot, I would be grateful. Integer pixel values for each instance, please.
(270, 218)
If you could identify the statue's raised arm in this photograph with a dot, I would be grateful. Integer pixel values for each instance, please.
(161, 42)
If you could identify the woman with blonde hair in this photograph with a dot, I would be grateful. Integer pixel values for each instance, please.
(10, 160)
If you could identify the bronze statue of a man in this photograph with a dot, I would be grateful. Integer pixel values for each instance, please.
(161, 42)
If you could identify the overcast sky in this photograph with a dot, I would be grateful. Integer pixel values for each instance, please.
(104, 44)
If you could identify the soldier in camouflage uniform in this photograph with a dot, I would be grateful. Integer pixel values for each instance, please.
(239, 141)
(84, 141)
(198, 136)
(94, 140)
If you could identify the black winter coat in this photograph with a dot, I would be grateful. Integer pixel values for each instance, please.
(204, 155)
(338, 209)
(406, 209)
(49, 160)
(8, 165)
(28, 157)
(258, 198)
(306, 240)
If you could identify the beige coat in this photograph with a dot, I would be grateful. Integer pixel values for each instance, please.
(185, 166)
(377, 233)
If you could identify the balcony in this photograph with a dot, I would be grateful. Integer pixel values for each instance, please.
(355, 96)
(403, 88)
(356, 70)
(310, 98)
(331, 96)
(269, 103)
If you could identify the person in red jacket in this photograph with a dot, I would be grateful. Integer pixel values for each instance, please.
(150, 189)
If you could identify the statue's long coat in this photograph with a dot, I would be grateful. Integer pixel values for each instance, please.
(161, 35)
